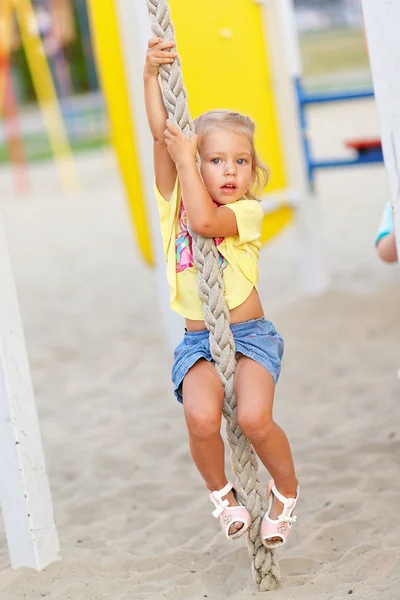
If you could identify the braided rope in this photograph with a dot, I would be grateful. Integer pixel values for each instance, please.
(217, 318)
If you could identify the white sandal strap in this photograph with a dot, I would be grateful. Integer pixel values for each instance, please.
(225, 490)
(284, 517)
(281, 497)
(216, 499)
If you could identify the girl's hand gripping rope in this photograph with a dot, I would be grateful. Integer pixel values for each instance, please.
(181, 148)
(158, 53)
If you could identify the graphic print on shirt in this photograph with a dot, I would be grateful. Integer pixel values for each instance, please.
(184, 249)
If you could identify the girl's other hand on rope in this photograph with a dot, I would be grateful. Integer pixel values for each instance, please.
(158, 53)
(181, 148)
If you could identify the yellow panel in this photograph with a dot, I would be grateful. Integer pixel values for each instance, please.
(110, 63)
(274, 223)
(225, 65)
(45, 91)
(223, 52)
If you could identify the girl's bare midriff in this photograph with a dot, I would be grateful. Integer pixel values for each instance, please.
(250, 309)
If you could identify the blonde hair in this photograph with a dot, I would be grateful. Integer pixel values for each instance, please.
(244, 125)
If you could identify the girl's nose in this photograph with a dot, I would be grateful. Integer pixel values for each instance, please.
(230, 169)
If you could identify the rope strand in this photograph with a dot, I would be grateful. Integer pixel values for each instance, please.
(217, 318)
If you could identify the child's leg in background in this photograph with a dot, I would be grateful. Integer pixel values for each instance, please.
(255, 390)
(203, 397)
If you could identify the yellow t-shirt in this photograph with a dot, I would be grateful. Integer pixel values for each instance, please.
(238, 255)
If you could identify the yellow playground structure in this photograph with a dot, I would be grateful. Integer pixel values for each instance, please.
(234, 56)
(24, 13)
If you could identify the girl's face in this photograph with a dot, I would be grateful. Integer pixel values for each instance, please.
(226, 164)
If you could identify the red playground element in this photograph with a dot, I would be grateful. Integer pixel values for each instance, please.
(366, 147)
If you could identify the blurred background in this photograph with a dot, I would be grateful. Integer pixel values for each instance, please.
(64, 29)
(131, 510)
(331, 42)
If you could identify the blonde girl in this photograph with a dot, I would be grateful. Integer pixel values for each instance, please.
(220, 203)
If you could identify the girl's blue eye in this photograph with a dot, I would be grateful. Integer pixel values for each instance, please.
(241, 161)
(215, 161)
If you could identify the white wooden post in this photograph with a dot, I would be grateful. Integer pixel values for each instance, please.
(24, 490)
(286, 64)
(135, 33)
(382, 25)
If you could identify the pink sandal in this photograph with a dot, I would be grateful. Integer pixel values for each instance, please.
(229, 514)
(282, 526)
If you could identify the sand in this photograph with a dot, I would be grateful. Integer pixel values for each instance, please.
(133, 517)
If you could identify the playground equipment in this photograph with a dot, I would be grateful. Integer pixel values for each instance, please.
(366, 151)
(24, 491)
(265, 574)
(13, 135)
(244, 45)
(42, 79)
(8, 104)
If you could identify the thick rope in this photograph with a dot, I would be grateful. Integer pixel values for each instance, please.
(217, 318)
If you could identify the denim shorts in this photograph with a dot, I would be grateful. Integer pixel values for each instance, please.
(257, 339)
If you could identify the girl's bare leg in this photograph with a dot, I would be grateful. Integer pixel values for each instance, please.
(203, 396)
(255, 390)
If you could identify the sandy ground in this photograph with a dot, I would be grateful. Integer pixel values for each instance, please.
(133, 517)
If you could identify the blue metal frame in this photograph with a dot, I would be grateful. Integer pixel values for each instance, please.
(303, 100)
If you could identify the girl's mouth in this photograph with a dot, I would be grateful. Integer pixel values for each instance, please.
(228, 187)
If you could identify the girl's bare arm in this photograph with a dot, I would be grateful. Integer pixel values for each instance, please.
(206, 219)
(159, 53)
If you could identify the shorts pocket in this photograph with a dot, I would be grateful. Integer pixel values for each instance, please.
(179, 349)
(266, 329)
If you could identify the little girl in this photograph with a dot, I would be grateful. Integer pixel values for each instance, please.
(220, 204)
